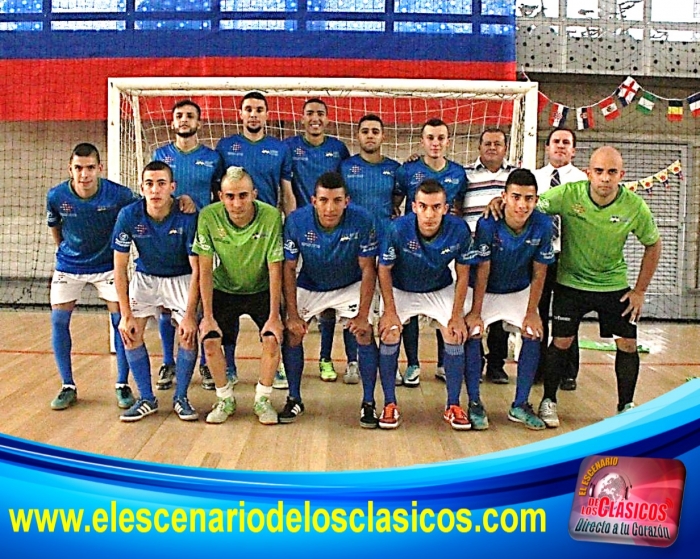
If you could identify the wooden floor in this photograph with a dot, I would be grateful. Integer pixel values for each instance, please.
(328, 436)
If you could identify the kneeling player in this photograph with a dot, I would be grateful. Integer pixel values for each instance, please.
(166, 277)
(415, 279)
(509, 263)
(338, 247)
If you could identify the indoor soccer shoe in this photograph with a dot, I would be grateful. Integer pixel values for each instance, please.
(458, 420)
(524, 414)
(292, 410)
(368, 416)
(232, 376)
(477, 416)
(139, 410)
(391, 418)
(125, 397)
(207, 379)
(280, 381)
(352, 373)
(411, 378)
(166, 377)
(440, 374)
(327, 370)
(548, 413)
(222, 410)
(265, 412)
(184, 410)
(67, 397)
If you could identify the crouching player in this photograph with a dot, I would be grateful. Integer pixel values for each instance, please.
(166, 277)
(415, 279)
(509, 262)
(338, 248)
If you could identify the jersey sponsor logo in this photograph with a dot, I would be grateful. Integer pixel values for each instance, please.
(59, 278)
(448, 180)
(332, 154)
(176, 231)
(533, 242)
(349, 237)
(123, 240)
(483, 250)
(390, 254)
(259, 235)
(291, 247)
(388, 173)
(104, 208)
(353, 307)
(617, 219)
(272, 152)
(446, 250)
(203, 163)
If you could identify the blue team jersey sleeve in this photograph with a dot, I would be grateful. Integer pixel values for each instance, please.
(53, 217)
(482, 245)
(121, 236)
(369, 244)
(291, 243)
(286, 170)
(544, 224)
(387, 252)
(402, 181)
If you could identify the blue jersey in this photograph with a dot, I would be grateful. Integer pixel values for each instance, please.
(421, 265)
(86, 225)
(372, 186)
(164, 246)
(310, 162)
(267, 161)
(197, 173)
(452, 178)
(511, 255)
(329, 258)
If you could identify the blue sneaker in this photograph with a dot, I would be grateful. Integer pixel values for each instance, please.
(280, 381)
(139, 410)
(67, 397)
(125, 397)
(184, 409)
(411, 377)
(232, 375)
(524, 414)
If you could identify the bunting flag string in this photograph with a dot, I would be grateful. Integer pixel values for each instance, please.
(662, 176)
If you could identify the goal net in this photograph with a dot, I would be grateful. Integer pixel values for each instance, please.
(140, 113)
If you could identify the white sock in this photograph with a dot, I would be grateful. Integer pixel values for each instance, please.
(261, 390)
(226, 391)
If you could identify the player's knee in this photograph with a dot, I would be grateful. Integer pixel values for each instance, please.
(270, 345)
(392, 337)
(292, 340)
(627, 345)
(211, 341)
(364, 338)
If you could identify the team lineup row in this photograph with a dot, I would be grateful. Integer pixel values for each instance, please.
(337, 242)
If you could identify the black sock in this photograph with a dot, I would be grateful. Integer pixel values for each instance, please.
(626, 371)
(555, 363)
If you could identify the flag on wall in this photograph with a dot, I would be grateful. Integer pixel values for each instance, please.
(646, 103)
(609, 108)
(584, 118)
(694, 104)
(558, 115)
(627, 91)
(675, 110)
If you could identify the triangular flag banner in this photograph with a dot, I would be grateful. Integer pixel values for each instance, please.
(627, 91)
(609, 108)
(694, 104)
(675, 110)
(633, 186)
(662, 177)
(646, 102)
(647, 183)
(675, 167)
(558, 115)
(584, 118)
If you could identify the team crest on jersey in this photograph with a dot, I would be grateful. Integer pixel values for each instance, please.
(418, 177)
(311, 236)
(141, 229)
(169, 159)
(614, 219)
(66, 208)
(578, 209)
(299, 152)
(355, 169)
(236, 147)
(413, 245)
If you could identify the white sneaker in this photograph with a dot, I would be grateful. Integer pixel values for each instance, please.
(440, 374)
(548, 413)
(352, 373)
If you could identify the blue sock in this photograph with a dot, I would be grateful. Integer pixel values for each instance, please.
(62, 344)
(473, 369)
(293, 359)
(527, 367)
(410, 341)
(122, 363)
(454, 372)
(351, 345)
(368, 358)
(388, 360)
(230, 349)
(167, 338)
(186, 358)
(327, 332)
(141, 369)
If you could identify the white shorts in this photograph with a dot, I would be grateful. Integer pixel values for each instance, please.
(149, 294)
(508, 307)
(436, 305)
(345, 301)
(66, 287)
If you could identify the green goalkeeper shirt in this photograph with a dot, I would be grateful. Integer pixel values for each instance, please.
(243, 253)
(593, 238)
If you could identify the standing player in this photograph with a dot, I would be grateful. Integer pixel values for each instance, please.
(597, 216)
(166, 277)
(509, 263)
(338, 247)
(197, 171)
(435, 140)
(487, 177)
(269, 163)
(415, 279)
(315, 153)
(246, 237)
(81, 213)
(560, 148)
(371, 182)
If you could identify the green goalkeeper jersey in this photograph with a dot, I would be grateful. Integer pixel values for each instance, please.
(243, 253)
(593, 238)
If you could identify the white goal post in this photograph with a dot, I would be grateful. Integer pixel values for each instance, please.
(139, 113)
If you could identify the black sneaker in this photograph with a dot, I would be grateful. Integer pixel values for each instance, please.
(166, 375)
(207, 379)
(496, 375)
(292, 410)
(568, 384)
(368, 416)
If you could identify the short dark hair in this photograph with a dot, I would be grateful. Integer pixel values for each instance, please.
(331, 180)
(85, 150)
(315, 100)
(372, 118)
(158, 166)
(188, 103)
(254, 95)
(431, 186)
(434, 122)
(521, 177)
(493, 130)
(562, 129)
